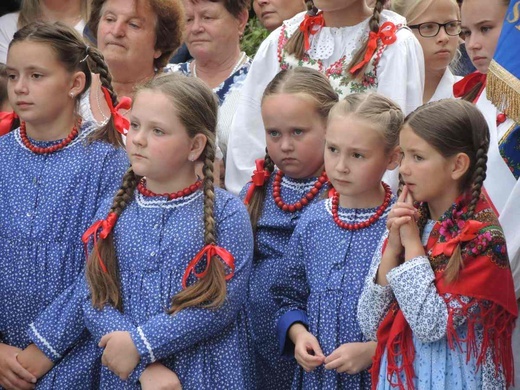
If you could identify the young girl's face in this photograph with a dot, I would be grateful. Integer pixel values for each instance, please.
(356, 159)
(157, 143)
(481, 25)
(295, 134)
(272, 13)
(440, 49)
(38, 85)
(425, 171)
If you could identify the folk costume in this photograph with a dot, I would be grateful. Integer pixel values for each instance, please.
(273, 231)
(432, 334)
(319, 283)
(47, 202)
(155, 241)
(395, 68)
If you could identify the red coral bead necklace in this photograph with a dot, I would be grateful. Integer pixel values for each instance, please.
(304, 201)
(51, 149)
(141, 187)
(364, 224)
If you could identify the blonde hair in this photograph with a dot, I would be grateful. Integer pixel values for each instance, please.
(303, 81)
(376, 109)
(196, 106)
(30, 11)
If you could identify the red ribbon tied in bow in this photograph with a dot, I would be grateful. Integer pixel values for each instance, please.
(120, 122)
(466, 84)
(260, 176)
(106, 226)
(468, 233)
(6, 121)
(209, 251)
(387, 35)
(310, 25)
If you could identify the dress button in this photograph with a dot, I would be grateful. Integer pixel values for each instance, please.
(152, 254)
(29, 214)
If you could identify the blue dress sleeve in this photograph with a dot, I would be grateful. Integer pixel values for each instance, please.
(290, 291)
(164, 335)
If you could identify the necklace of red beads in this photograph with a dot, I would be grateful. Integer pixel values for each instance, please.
(304, 201)
(141, 187)
(51, 149)
(361, 225)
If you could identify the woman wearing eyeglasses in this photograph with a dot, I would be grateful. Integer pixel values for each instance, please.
(436, 25)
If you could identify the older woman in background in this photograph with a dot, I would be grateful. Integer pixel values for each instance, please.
(212, 34)
(73, 13)
(436, 25)
(137, 38)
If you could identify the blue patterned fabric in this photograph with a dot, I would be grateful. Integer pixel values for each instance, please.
(509, 148)
(46, 203)
(155, 239)
(319, 285)
(274, 229)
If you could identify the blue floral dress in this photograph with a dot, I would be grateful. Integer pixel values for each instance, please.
(273, 231)
(319, 286)
(155, 239)
(46, 203)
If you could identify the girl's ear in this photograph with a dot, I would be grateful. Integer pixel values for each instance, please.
(77, 83)
(394, 156)
(198, 143)
(460, 165)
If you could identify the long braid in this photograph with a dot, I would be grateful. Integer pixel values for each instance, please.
(105, 286)
(295, 45)
(107, 133)
(209, 291)
(256, 203)
(479, 177)
(373, 24)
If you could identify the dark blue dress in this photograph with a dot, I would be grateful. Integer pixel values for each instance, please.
(320, 283)
(46, 203)
(274, 229)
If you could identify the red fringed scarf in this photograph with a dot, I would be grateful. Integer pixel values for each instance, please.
(485, 278)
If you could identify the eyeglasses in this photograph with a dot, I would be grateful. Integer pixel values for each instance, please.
(431, 29)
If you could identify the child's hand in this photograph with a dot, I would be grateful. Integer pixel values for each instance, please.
(409, 232)
(12, 374)
(402, 211)
(307, 350)
(120, 354)
(158, 377)
(35, 361)
(351, 358)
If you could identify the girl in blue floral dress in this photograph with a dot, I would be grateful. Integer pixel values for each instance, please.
(439, 298)
(56, 171)
(295, 109)
(318, 284)
(166, 280)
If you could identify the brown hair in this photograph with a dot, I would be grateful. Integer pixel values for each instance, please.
(302, 81)
(196, 107)
(30, 11)
(234, 7)
(295, 44)
(169, 25)
(453, 126)
(3, 84)
(72, 52)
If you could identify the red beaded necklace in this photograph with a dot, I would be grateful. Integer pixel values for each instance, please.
(51, 149)
(304, 201)
(361, 225)
(141, 187)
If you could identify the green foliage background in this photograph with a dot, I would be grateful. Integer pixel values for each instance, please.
(254, 34)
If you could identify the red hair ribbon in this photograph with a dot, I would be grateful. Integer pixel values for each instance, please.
(120, 122)
(387, 35)
(468, 233)
(106, 226)
(210, 251)
(6, 121)
(260, 176)
(310, 25)
(466, 84)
